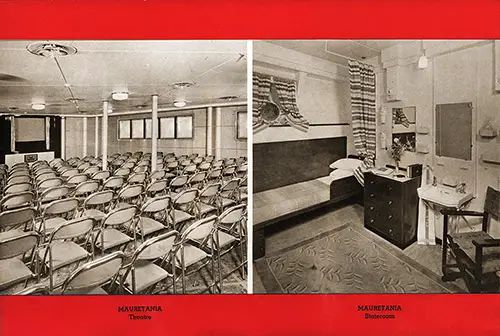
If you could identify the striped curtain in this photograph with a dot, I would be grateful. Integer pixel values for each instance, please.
(286, 90)
(362, 85)
(261, 89)
(283, 93)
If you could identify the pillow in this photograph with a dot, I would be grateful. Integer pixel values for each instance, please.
(348, 164)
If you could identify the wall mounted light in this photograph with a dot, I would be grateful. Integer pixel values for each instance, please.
(38, 106)
(119, 95)
(180, 103)
(423, 62)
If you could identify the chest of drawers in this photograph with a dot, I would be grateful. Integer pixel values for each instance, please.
(391, 208)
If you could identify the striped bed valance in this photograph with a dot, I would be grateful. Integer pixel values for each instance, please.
(280, 91)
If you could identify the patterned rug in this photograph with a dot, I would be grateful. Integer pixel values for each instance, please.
(347, 260)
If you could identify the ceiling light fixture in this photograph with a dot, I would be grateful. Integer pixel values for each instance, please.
(180, 103)
(423, 62)
(38, 106)
(182, 85)
(51, 49)
(119, 95)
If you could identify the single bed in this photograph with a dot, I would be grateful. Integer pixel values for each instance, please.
(285, 200)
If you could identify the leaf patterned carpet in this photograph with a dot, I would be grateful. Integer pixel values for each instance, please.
(347, 260)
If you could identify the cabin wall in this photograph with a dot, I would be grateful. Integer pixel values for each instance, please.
(458, 71)
(322, 94)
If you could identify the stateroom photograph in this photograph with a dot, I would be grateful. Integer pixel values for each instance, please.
(123, 167)
(376, 166)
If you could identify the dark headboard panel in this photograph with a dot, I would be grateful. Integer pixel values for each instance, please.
(277, 164)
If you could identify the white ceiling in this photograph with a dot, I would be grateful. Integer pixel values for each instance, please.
(356, 49)
(141, 68)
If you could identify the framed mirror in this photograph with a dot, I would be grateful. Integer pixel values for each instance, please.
(403, 126)
(454, 131)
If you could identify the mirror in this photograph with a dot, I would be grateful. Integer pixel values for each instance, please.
(403, 126)
(454, 131)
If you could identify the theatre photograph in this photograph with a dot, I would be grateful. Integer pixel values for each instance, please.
(123, 167)
(376, 166)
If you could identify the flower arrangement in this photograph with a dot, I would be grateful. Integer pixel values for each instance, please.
(397, 150)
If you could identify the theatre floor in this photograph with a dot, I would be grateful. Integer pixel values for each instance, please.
(424, 261)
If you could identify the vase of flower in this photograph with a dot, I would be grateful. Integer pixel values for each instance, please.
(397, 150)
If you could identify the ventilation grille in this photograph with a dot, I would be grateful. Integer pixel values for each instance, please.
(51, 49)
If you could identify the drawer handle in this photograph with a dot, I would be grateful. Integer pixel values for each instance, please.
(372, 195)
(390, 202)
(390, 188)
(372, 220)
(390, 231)
(389, 217)
(371, 208)
(371, 182)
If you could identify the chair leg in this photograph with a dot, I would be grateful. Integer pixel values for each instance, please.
(220, 270)
(183, 281)
(243, 262)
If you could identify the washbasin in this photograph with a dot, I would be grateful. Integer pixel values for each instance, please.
(443, 195)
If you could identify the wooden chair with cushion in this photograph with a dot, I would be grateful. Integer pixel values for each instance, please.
(476, 253)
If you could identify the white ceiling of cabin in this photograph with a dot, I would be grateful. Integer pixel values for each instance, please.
(142, 68)
(356, 49)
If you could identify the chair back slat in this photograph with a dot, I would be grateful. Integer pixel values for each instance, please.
(17, 200)
(18, 244)
(95, 273)
(232, 215)
(199, 230)
(12, 218)
(16, 188)
(99, 198)
(63, 206)
(157, 247)
(186, 196)
(492, 202)
(157, 204)
(120, 216)
(73, 228)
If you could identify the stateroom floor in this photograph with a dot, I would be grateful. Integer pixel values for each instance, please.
(330, 251)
